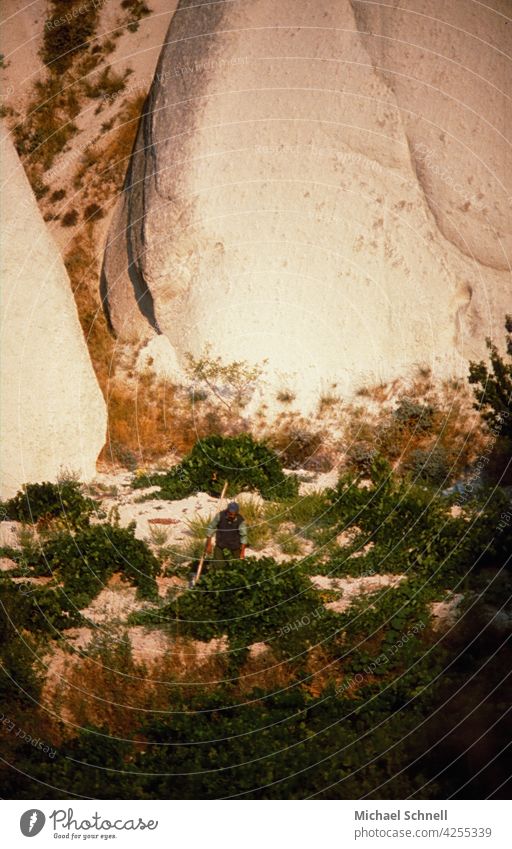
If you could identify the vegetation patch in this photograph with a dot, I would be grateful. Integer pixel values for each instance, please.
(84, 562)
(241, 460)
(70, 26)
(44, 501)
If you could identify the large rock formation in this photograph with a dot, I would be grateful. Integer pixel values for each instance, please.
(52, 412)
(323, 185)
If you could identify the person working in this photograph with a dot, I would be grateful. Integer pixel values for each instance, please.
(230, 534)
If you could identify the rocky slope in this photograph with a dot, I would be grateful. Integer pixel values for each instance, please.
(53, 415)
(322, 185)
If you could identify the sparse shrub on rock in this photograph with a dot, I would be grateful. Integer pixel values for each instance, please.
(430, 465)
(360, 456)
(414, 415)
(299, 446)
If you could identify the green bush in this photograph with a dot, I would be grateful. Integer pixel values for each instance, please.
(18, 680)
(85, 561)
(50, 500)
(430, 465)
(493, 386)
(360, 456)
(417, 417)
(50, 609)
(252, 601)
(245, 463)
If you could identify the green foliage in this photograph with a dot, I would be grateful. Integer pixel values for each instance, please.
(50, 500)
(493, 386)
(429, 465)
(48, 610)
(241, 460)
(84, 562)
(414, 416)
(18, 681)
(368, 696)
(251, 601)
(360, 456)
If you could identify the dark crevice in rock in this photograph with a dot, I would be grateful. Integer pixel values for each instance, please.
(143, 296)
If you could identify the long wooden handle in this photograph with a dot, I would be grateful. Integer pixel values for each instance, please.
(201, 562)
(200, 567)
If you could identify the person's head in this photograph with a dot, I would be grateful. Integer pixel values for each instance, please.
(232, 509)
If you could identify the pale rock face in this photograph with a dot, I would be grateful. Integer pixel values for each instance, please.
(52, 412)
(322, 185)
(159, 356)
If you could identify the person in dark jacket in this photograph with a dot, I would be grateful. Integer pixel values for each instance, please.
(230, 534)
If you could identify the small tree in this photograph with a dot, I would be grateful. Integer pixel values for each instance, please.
(494, 386)
(231, 383)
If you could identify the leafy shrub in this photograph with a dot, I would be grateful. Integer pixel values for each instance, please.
(18, 681)
(493, 387)
(84, 562)
(49, 610)
(415, 416)
(241, 460)
(403, 519)
(360, 456)
(298, 446)
(430, 465)
(251, 601)
(50, 500)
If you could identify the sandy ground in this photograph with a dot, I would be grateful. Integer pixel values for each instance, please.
(9, 534)
(21, 30)
(351, 588)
